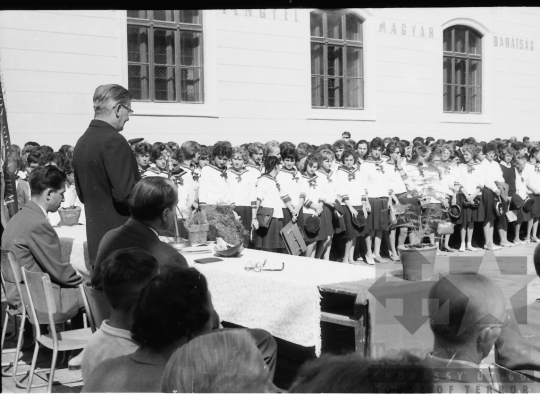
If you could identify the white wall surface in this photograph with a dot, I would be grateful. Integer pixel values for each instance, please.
(257, 77)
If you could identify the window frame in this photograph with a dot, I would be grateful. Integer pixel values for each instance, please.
(325, 41)
(468, 57)
(177, 27)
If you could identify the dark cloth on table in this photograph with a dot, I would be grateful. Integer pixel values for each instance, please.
(518, 346)
(37, 248)
(135, 234)
(379, 217)
(105, 173)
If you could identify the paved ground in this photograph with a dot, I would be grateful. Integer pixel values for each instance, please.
(290, 356)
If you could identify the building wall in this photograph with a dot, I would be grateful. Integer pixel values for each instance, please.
(257, 77)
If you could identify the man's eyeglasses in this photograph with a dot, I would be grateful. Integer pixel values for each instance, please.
(130, 111)
(258, 267)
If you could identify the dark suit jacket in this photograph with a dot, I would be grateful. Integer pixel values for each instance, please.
(518, 346)
(37, 247)
(105, 173)
(135, 234)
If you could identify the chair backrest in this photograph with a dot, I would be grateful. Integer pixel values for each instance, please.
(40, 297)
(99, 306)
(11, 274)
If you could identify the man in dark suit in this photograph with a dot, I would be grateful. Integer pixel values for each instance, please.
(37, 246)
(518, 347)
(153, 208)
(105, 168)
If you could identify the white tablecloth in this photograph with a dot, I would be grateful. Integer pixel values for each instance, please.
(285, 303)
(74, 249)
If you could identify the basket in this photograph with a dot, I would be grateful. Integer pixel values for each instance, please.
(70, 216)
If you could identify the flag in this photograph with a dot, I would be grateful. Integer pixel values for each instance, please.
(10, 196)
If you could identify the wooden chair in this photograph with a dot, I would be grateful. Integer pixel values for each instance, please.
(11, 273)
(99, 309)
(42, 306)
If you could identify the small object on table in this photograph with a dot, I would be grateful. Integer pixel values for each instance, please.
(70, 216)
(208, 260)
(225, 249)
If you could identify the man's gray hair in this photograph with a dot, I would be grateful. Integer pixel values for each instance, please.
(106, 97)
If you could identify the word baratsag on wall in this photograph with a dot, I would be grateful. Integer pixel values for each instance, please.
(407, 30)
(513, 43)
(283, 14)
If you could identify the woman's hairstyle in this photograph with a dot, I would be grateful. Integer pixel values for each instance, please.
(270, 163)
(238, 150)
(34, 158)
(339, 144)
(67, 166)
(255, 147)
(303, 147)
(322, 147)
(506, 151)
(471, 148)
(142, 148)
(190, 149)
(172, 306)
(173, 145)
(286, 144)
(311, 159)
(218, 362)
(150, 197)
(405, 143)
(178, 155)
(417, 152)
(106, 97)
(490, 147)
(204, 153)
(392, 146)
(289, 153)
(352, 373)
(63, 149)
(45, 177)
(418, 139)
(327, 154)
(222, 149)
(534, 150)
(157, 150)
(347, 153)
(376, 143)
(433, 155)
(360, 143)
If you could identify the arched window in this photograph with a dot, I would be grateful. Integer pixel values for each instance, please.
(462, 70)
(165, 61)
(336, 60)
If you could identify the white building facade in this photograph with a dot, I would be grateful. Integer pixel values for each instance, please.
(290, 75)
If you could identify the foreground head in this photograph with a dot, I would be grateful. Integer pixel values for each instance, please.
(112, 103)
(467, 311)
(154, 199)
(174, 307)
(219, 362)
(47, 187)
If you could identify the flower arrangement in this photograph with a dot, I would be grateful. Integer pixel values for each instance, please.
(223, 223)
(196, 221)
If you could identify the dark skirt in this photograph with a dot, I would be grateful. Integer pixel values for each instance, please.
(245, 214)
(327, 227)
(269, 238)
(351, 231)
(470, 215)
(501, 223)
(522, 216)
(489, 198)
(379, 217)
(287, 218)
(535, 209)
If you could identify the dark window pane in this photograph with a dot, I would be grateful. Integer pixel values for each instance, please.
(317, 91)
(354, 93)
(474, 72)
(317, 62)
(447, 40)
(474, 42)
(460, 72)
(191, 84)
(137, 38)
(190, 16)
(335, 92)
(354, 62)
(447, 70)
(447, 97)
(474, 99)
(165, 83)
(316, 24)
(334, 25)
(353, 26)
(164, 15)
(164, 46)
(460, 40)
(190, 48)
(138, 82)
(459, 104)
(335, 60)
(141, 14)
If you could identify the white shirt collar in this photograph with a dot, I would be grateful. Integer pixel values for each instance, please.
(154, 231)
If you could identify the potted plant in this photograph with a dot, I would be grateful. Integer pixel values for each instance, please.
(197, 227)
(223, 224)
(69, 216)
(421, 218)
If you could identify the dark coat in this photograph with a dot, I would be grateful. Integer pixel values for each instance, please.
(105, 173)
(37, 248)
(135, 234)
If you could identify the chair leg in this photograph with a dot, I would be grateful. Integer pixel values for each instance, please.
(16, 361)
(4, 328)
(18, 351)
(53, 367)
(32, 368)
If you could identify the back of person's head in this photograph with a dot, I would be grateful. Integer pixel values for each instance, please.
(106, 97)
(34, 158)
(324, 147)
(151, 196)
(173, 145)
(175, 305)
(178, 155)
(218, 362)
(352, 373)
(462, 305)
(190, 149)
(124, 274)
(47, 177)
(270, 163)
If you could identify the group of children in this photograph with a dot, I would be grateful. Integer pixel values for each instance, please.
(344, 193)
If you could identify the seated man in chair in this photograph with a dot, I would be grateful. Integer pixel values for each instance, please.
(36, 244)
